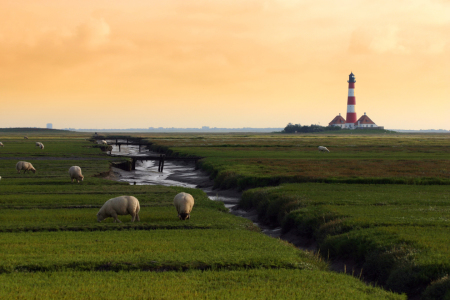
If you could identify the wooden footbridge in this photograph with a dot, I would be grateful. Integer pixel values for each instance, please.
(131, 143)
(137, 141)
(128, 141)
(161, 158)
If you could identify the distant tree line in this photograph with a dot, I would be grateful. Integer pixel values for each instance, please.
(291, 128)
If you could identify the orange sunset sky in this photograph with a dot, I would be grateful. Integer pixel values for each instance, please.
(245, 63)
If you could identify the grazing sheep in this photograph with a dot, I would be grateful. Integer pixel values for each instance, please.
(183, 203)
(104, 142)
(25, 166)
(123, 205)
(323, 149)
(1, 144)
(38, 144)
(25, 137)
(75, 173)
(41, 146)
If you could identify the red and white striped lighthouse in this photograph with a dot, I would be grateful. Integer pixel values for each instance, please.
(351, 102)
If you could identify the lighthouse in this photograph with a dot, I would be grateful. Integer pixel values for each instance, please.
(351, 102)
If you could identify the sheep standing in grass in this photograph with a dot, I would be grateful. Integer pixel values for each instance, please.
(104, 142)
(1, 144)
(25, 166)
(25, 137)
(41, 146)
(75, 173)
(38, 144)
(123, 205)
(323, 149)
(183, 203)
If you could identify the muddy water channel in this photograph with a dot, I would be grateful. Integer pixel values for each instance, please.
(180, 174)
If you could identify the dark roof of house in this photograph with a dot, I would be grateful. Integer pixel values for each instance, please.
(337, 120)
(364, 120)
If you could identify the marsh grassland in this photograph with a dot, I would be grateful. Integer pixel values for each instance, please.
(378, 202)
(51, 246)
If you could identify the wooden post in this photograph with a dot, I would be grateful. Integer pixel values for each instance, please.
(116, 141)
(162, 164)
(119, 147)
(160, 161)
(133, 164)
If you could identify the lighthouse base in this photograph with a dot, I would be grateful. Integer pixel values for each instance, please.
(350, 126)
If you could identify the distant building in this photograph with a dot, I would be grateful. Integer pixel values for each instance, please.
(205, 127)
(365, 121)
(351, 123)
(49, 125)
(338, 121)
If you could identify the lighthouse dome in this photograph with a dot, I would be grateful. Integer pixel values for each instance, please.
(351, 78)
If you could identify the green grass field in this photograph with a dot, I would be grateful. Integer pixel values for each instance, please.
(51, 246)
(235, 284)
(388, 230)
(380, 200)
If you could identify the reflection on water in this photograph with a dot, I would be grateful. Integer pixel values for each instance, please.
(147, 173)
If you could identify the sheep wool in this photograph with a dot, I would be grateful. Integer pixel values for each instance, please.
(38, 144)
(25, 166)
(1, 144)
(104, 142)
(323, 149)
(75, 173)
(123, 205)
(41, 146)
(184, 203)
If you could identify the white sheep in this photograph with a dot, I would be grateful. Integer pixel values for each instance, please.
(41, 146)
(123, 205)
(75, 173)
(1, 144)
(183, 203)
(104, 142)
(38, 144)
(323, 149)
(25, 166)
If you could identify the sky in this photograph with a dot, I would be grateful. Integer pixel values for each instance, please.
(223, 63)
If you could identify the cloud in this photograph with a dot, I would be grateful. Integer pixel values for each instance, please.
(437, 47)
(387, 40)
(359, 42)
(93, 33)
